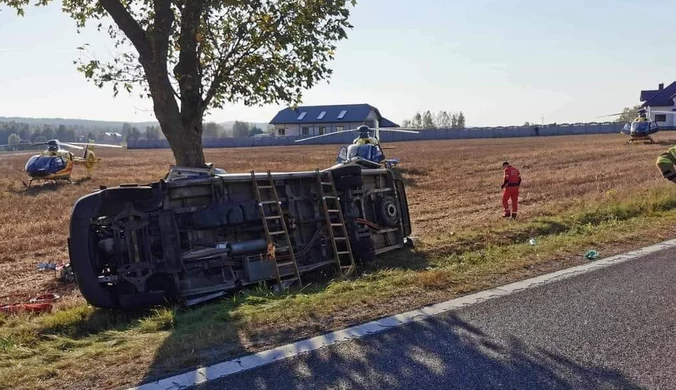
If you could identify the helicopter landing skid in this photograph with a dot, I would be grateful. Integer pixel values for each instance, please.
(54, 181)
(644, 138)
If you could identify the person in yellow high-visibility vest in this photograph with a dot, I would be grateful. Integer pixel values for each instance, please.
(641, 116)
(364, 137)
(665, 163)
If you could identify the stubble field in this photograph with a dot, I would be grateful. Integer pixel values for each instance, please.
(452, 186)
(578, 192)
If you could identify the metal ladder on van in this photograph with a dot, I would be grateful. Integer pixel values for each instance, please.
(340, 240)
(272, 199)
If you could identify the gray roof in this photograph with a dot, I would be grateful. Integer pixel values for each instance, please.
(659, 97)
(347, 113)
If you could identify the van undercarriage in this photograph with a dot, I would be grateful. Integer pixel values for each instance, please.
(199, 234)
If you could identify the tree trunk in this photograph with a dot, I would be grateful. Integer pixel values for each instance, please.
(186, 143)
(182, 127)
(183, 130)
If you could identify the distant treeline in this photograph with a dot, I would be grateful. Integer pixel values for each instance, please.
(238, 130)
(442, 120)
(210, 130)
(13, 132)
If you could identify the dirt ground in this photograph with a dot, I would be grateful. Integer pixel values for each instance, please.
(453, 185)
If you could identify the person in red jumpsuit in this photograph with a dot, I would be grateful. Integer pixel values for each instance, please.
(510, 187)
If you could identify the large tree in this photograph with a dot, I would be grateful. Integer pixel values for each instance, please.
(240, 129)
(428, 120)
(13, 139)
(192, 55)
(443, 120)
(461, 120)
(212, 130)
(417, 120)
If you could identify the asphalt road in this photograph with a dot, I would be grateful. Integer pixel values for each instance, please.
(607, 329)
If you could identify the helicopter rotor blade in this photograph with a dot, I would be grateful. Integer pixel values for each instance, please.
(95, 144)
(603, 116)
(325, 135)
(398, 130)
(67, 145)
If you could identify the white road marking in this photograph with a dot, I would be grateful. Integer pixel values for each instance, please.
(259, 359)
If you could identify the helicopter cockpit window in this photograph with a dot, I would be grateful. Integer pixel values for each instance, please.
(368, 152)
(640, 126)
(48, 162)
(59, 162)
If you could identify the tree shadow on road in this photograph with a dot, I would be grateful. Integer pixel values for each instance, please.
(441, 353)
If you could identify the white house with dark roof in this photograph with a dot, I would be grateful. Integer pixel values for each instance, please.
(318, 120)
(661, 99)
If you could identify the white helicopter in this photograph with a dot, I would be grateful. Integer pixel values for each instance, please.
(365, 147)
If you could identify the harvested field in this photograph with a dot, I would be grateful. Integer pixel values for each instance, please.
(454, 198)
(452, 186)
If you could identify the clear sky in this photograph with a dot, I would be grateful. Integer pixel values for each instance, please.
(501, 62)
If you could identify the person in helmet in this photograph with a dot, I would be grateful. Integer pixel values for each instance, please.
(364, 137)
(52, 145)
(641, 116)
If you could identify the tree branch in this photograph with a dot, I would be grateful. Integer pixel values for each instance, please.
(164, 18)
(220, 72)
(130, 27)
(187, 69)
(162, 30)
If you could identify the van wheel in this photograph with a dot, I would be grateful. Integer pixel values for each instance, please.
(388, 210)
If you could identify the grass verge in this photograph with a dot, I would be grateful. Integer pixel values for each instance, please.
(123, 349)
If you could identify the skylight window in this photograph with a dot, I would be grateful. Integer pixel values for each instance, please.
(321, 115)
(342, 114)
(302, 115)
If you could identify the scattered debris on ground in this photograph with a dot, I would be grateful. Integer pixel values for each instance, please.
(65, 271)
(44, 302)
(39, 304)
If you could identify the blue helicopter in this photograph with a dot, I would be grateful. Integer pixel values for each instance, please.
(365, 147)
(56, 162)
(642, 127)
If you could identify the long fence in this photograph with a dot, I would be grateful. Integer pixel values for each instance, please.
(424, 134)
